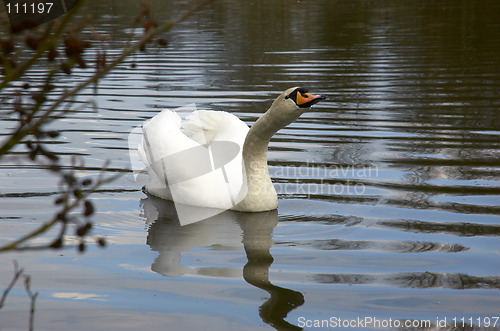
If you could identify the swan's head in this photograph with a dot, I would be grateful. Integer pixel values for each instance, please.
(291, 104)
(299, 97)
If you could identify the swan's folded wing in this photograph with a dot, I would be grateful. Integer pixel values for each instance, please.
(189, 162)
(205, 126)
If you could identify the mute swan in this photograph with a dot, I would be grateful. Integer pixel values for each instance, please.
(212, 159)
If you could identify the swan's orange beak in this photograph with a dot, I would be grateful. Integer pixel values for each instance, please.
(306, 100)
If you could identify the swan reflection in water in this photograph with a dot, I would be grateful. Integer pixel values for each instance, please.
(228, 229)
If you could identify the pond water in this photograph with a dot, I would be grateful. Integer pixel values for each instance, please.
(389, 191)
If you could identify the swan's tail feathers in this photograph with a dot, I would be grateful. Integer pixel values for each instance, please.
(158, 134)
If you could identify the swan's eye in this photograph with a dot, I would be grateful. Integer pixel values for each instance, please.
(298, 95)
(293, 96)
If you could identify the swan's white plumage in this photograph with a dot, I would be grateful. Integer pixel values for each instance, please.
(212, 159)
(167, 134)
(205, 126)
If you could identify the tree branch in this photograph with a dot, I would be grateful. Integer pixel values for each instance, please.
(46, 117)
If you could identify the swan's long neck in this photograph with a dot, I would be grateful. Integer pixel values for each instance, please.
(257, 140)
(259, 135)
(261, 193)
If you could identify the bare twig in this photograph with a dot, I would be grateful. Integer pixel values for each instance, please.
(68, 207)
(27, 286)
(17, 273)
(32, 296)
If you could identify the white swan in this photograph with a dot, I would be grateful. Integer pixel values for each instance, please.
(213, 159)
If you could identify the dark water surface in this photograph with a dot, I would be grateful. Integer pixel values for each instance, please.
(389, 190)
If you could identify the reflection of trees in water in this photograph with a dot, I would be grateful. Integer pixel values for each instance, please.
(413, 280)
(223, 231)
(459, 229)
(407, 225)
(386, 246)
(418, 96)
